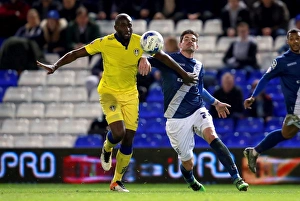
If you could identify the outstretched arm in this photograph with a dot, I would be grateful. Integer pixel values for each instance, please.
(188, 78)
(222, 108)
(67, 58)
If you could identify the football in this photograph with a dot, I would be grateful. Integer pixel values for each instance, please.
(152, 42)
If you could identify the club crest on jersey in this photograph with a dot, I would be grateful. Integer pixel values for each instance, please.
(274, 64)
(112, 107)
(136, 52)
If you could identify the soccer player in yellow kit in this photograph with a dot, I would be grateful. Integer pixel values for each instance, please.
(122, 59)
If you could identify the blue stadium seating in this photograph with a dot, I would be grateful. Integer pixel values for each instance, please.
(156, 125)
(250, 125)
(155, 95)
(89, 141)
(238, 139)
(151, 110)
(240, 77)
(274, 124)
(8, 78)
(2, 91)
(279, 108)
(224, 126)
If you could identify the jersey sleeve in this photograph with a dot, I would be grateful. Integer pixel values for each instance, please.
(96, 46)
(273, 71)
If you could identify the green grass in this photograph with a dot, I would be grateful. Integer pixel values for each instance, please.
(145, 192)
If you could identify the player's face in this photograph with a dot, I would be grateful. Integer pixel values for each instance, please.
(124, 28)
(294, 41)
(189, 43)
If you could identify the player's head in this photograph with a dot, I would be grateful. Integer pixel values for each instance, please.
(293, 39)
(123, 26)
(188, 41)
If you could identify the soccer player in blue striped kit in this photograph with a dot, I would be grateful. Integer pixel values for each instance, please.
(186, 114)
(287, 68)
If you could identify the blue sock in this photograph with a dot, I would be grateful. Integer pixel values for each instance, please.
(125, 149)
(187, 175)
(271, 140)
(225, 158)
(110, 138)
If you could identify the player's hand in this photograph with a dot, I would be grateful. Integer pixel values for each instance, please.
(50, 68)
(190, 79)
(248, 102)
(144, 66)
(222, 109)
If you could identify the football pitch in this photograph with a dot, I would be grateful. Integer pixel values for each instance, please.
(145, 192)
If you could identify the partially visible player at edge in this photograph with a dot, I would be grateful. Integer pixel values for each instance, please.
(287, 68)
(122, 59)
(186, 114)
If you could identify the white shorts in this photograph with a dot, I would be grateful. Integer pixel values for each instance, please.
(181, 132)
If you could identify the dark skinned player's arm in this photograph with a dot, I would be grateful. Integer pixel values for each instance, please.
(71, 56)
(167, 60)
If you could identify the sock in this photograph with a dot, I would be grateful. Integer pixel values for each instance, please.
(123, 160)
(271, 140)
(110, 143)
(225, 158)
(187, 175)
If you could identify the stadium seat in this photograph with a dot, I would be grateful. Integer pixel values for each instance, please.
(80, 77)
(51, 57)
(240, 76)
(274, 124)
(28, 142)
(89, 141)
(184, 24)
(200, 142)
(2, 92)
(8, 78)
(156, 126)
(164, 27)
(238, 140)
(94, 97)
(59, 110)
(213, 60)
(250, 125)
(223, 43)
(62, 78)
(15, 126)
(8, 110)
(212, 27)
(279, 109)
(65, 141)
(73, 126)
(264, 43)
(46, 94)
(198, 56)
(207, 44)
(87, 110)
(139, 26)
(256, 74)
(32, 78)
(6, 141)
(224, 126)
(30, 110)
(73, 94)
(106, 26)
(79, 64)
(142, 126)
(279, 42)
(155, 94)
(151, 110)
(43, 127)
(17, 94)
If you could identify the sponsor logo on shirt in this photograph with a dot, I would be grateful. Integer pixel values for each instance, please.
(136, 52)
(292, 64)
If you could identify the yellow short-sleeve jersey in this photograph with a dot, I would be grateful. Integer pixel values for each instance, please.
(120, 63)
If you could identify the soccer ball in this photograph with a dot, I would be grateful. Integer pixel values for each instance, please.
(152, 42)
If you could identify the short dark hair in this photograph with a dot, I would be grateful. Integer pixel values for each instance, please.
(293, 30)
(189, 31)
